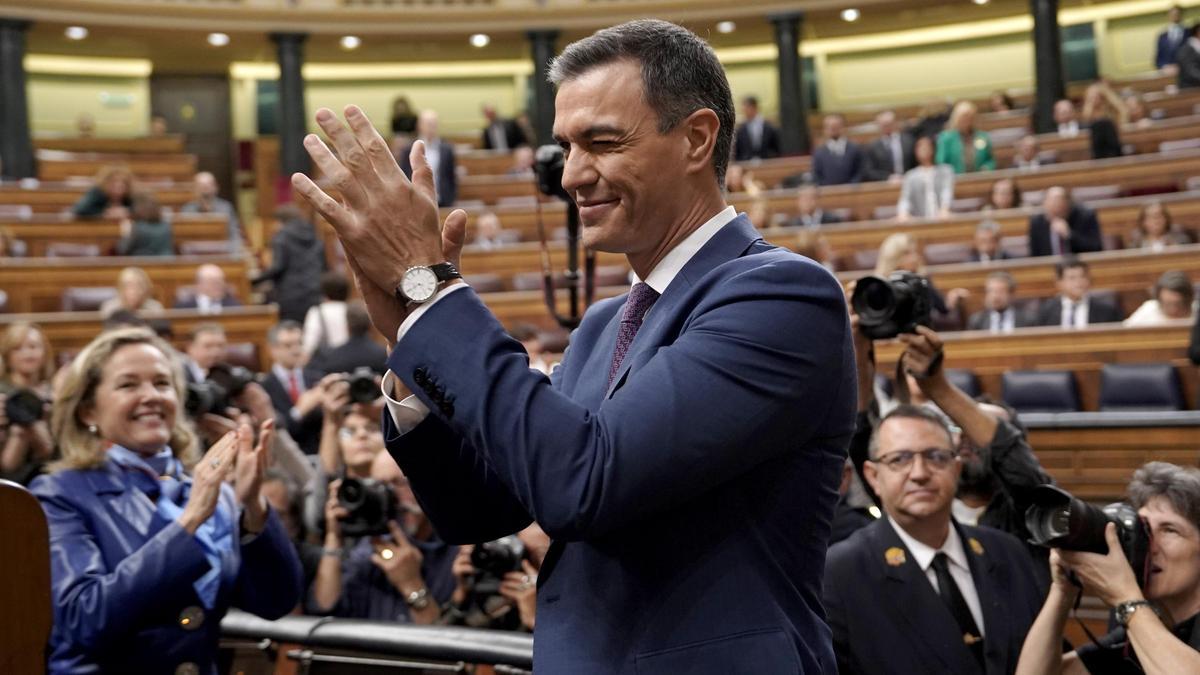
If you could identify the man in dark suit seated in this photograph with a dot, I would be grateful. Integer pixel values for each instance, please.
(987, 243)
(890, 155)
(756, 138)
(1063, 227)
(838, 160)
(998, 314)
(1073, 307)
(295, 391)
(500, 133)
(212, 295)
(359, 351)
(915, 591)
(439, 154)
(809, 212)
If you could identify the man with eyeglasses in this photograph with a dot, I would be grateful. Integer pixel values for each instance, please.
(916, 591)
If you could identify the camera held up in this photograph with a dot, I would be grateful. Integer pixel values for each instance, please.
(371, 504)
(1056, 519)
(214, 395)
(24, 407)
(889, 307)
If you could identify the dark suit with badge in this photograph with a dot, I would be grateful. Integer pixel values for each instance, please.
(887, 618)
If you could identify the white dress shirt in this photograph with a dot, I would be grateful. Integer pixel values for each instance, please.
(837, 146)
(410, 412)
(206, 305)
(960, 569)
(1069, 129)
(1002, 322)
(1081, 313)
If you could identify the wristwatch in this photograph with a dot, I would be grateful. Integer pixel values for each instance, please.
(418, 599)
(420, 283)
(1124, 611)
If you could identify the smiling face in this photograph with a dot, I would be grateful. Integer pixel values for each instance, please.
(1174, 552)
(921, 491)
(135, 401)
(619, 168)
(28, 357)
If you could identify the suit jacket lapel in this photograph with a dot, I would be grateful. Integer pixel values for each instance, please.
(990, 581)
(916, 604)
(129, 506)
(730, 242)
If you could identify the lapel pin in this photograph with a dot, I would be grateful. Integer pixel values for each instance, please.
(969, 639)
(894, 556)
(975, 546)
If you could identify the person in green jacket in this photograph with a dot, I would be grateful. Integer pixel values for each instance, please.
(148, 233)
(961, 145)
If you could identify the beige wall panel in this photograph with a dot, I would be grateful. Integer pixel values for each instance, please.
(120, 105)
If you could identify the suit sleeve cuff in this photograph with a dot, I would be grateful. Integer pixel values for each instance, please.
(406, 414)
(417, 313)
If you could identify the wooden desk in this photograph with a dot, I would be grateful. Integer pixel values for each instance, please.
(36, 284)
(54, 197)
(138, 145)
(54, 165)
(40, 231)
(72, 331)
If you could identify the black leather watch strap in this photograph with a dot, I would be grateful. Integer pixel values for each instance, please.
(445, 271)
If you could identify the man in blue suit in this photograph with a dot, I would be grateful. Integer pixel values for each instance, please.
(1171, 39)
(685, 457)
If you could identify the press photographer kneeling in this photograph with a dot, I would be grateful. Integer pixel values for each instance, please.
(1158, 633)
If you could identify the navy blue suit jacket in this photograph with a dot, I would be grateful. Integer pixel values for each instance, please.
(690, 501)
(887, 617)
(1166, 49)
(831, 169)
(122, 578)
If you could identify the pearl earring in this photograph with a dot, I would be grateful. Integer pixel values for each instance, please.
(93, 429)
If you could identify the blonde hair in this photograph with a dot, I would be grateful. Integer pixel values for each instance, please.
(12, 338)
(961, 108)
(79, 447)
(891, 251)
(136, 274)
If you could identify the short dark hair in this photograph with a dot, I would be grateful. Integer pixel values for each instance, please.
(335, 286)
(204, 327)
(285, 325)
(751, 100)
(1001, 275)
(1179, 485)
(1177, 281)
(680, 74)
(1069, 262)
(358, 322)
(909, 411)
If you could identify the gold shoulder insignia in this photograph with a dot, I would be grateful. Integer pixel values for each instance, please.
(895, 556)
(975, 546)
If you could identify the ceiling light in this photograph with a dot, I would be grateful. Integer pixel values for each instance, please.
(480, 40)
(218, 39)
(75, 32)
(726, 27)
(980, 2)
(850, 14)
(349, 42)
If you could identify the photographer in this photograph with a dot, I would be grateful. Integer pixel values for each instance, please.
(26, 371)
(499, 599)
(1158, 632)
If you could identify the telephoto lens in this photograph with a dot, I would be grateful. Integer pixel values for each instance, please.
(1057, 519)
(889, 307)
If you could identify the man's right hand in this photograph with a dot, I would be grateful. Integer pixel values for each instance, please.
(334, 513)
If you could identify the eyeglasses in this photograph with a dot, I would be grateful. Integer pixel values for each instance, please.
(902, 460)
(350, 432)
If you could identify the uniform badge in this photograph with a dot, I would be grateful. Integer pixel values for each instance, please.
(980, 143)
(969, 639)
(894, 556)
(975, 546)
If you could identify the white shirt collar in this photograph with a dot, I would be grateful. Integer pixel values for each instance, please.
(924, 555)
(673, 262)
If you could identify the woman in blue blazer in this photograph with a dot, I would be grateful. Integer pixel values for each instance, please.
(148, 551)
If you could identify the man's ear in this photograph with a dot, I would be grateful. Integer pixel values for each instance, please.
(700, 132)
(871, 473)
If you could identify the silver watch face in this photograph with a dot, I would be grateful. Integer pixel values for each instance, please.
(419, 284)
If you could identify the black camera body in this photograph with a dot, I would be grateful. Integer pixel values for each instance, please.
(1056, 519)
(889, 307)
(224, 383)
(363, 387)
(548, 165)
(371, 504)
(493, 559)
(24, 407)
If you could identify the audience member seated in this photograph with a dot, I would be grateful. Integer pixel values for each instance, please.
(10, 246)
(1005, 194)
(1066, 120)
(359, 351)
(297, 261)
(962, 146)
(207, 200)
(523, 160)
(487, 232)
(1074, 307)
(206, 347)
(838, 160)
(142, 587)
(146, 232)
(814, 245)
(890, 155)
(478, 603)
(111, 195)
(808, 209)
(1173, 296)
(928, 189)
(439, 154)
(1063, 227)
(212, 295)
(1027, 157)
(755, 138)
(916, 591)
(1156, 230)
(1000, 102)
(403, 576)
(986, 246)
(1170, 40)
(295, 391)
(85, 126)
(1135, 109)
(133, 294)
(158, 127)
(739, 180)
(325, 324)
(1188, 58)
(1103, 114)
(500, 133)
(998, 314)
(1155, 616)
(26, 373)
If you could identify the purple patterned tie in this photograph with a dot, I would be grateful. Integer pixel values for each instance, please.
(641, 297)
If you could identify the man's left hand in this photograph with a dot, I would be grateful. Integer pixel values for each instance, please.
(922, 355)
(1108, 576)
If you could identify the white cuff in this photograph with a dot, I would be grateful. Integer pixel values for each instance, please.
(406, 414)
(413, 316)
